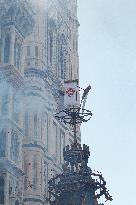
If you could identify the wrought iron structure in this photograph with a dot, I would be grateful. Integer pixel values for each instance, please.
(77, 184)
(74, 116)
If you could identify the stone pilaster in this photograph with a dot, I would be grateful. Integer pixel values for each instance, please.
(12, 44)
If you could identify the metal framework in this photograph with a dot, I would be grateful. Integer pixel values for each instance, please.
(74, 116)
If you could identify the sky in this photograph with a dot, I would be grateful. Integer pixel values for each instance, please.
(107, 51)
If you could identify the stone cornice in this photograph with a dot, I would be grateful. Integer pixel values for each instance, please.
(48, 77)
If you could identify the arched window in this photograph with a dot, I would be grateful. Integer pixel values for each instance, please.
(16, 105)
(51, 47)
(4, 102)
(17, 51)
(28, 51)
(36, 51)
(2, 142)
(35, 125)
(62, 145)
(0, 52)
(26, 121)
(14, 149)
(35, 174)
(71, 72)
(2, 185)
(62, 56)
(7, 49)
(26, 164)
(61, 62)
(54, 139)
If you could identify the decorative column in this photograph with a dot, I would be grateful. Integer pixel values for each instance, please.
(10, 102)
(12, 45)
(2, 50)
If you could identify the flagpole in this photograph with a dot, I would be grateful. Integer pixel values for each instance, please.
(74, 123)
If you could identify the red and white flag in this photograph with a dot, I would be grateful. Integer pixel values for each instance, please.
(71, 97)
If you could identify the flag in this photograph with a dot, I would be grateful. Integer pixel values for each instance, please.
(71, 97)
(84, 97)
(86, 91)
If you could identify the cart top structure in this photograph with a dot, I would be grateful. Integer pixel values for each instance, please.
(77, 184)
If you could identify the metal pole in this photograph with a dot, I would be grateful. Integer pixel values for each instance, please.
(74, 123)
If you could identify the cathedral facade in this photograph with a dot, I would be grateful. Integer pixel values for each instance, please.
(38, 53)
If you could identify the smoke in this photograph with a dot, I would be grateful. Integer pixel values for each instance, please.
(10, 99)
(38, 3)
(14, 103)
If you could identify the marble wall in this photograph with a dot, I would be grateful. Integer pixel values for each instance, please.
(38, 52)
